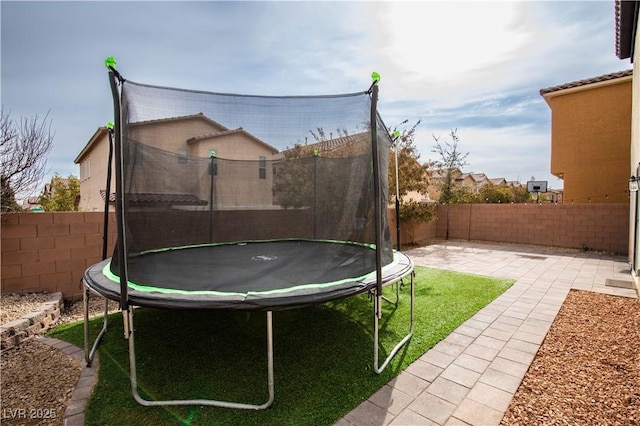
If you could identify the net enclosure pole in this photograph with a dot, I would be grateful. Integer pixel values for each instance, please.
(380, 209)
(395, 154)
(376, 188)
(212, 172)
(105, 239)
(86, 294)
(114, 78)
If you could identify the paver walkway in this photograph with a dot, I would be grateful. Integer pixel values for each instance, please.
(470, 377)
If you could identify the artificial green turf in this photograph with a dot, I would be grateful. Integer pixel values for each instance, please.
(323, 355)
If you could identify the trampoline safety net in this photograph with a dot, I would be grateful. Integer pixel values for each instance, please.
(201, 168)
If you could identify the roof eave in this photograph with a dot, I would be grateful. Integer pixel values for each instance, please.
(626, 27)
(96, 136)
(552, 92)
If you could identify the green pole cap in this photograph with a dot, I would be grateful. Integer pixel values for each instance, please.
(110, 125)
(212, 153)
(110, 62)
(375, 77)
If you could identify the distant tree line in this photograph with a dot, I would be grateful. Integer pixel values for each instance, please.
(490, 193)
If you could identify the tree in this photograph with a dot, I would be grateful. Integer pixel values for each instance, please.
(462, 195)
(412, 175)
(490, 193)
(293, 182)
(8, 202)
(520, 194)
(62, 194)
(451, 159)
(24, 146)
(413, 213)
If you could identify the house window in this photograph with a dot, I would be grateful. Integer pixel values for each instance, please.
(182, 156)
(262, 167)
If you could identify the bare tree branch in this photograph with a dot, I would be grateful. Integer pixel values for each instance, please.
(24, 146)
(450, 160)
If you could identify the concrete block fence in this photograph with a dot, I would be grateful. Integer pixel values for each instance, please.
(601, 227)
(50, 251)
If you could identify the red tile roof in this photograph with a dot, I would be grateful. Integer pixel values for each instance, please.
(592, 80)
(158, 199)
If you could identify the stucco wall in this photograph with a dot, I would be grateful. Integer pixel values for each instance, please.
(590, 141)
(93, 176)
(635, 156)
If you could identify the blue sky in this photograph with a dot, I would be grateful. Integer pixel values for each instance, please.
(472, 66)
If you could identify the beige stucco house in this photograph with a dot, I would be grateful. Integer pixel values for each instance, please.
(472, 181)
(591, 137)
(185, 137)
(627, 24)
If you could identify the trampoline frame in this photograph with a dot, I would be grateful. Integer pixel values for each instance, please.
(130, 336)
(128, 311)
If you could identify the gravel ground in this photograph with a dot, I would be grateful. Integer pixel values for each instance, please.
(14, 305)
(587, 371)
(36, 380)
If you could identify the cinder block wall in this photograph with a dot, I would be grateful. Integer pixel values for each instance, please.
(410, 233)
(50, 251)
(602, 227)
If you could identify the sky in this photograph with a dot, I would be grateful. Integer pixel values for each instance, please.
(474, 67)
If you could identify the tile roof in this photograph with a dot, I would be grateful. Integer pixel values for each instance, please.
(144, 198)
(227, 132)
(592, 80)
(327, 145)
(477, 177)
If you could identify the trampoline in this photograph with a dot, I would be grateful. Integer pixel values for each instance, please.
(221, 202)
(267, 275)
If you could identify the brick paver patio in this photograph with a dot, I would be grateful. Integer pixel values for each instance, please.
(471, 376)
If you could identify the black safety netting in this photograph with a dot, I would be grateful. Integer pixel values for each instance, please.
(201, 169)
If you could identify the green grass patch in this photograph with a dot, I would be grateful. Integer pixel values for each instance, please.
(323, 355)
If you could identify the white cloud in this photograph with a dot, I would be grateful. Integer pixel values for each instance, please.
(513, 152)
(451, 53)
(476, 66)
(436, 49)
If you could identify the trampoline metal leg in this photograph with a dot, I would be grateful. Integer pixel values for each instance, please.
(376, 330)
(208, 402)
(394, 303)
(90, 353)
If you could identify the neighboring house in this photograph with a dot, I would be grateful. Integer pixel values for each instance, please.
(190, 136)
(32, 204)
(627, 25)
(343, 146)
(418, 197)
(473, 181)
(435, 180)
(294, 180)
(591, 137)
(93, 171)
(553, 196)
